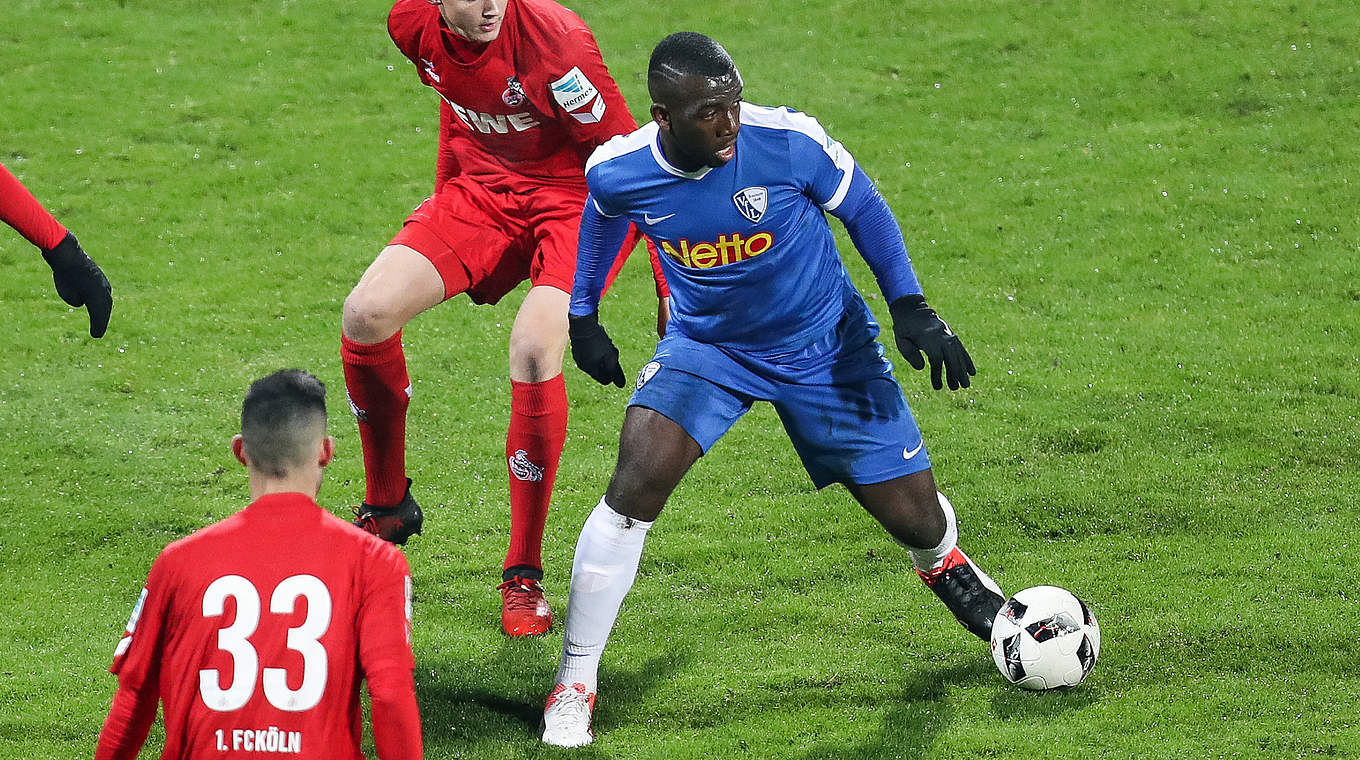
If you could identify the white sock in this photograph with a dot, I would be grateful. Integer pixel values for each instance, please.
(606, 562)
(928, 559)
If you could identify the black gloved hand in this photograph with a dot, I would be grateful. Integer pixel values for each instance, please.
(80, 282)
(592, 349)
(919, 329)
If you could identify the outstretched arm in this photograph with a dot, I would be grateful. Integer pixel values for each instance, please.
(20, 210)
(874, 231)
(79, 281)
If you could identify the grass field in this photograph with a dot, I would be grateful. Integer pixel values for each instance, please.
(1138, 216)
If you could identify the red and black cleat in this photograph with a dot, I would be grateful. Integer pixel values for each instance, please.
(969, 593)
(395, 524)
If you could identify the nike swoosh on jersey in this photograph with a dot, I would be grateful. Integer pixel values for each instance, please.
(649, 219)
(909, 453)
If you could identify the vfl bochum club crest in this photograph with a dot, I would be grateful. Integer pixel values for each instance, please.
(751, 202)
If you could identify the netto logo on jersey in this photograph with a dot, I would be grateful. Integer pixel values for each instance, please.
(728, 250)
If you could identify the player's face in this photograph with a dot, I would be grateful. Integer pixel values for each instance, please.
(475, 20)
(699, 126)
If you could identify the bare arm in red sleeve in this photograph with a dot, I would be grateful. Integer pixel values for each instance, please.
(20, 210)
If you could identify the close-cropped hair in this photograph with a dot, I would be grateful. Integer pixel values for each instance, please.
(283, 416)
(687, 54)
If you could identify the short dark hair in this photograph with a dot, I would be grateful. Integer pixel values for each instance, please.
(282, 416)
(685, 54)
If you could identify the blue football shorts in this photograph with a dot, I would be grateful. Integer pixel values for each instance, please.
(838, 400)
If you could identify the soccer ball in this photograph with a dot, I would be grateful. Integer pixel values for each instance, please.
(1045, 637)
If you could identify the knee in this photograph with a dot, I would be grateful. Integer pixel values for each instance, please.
(366, 318)
(536, 355)
(634, 492)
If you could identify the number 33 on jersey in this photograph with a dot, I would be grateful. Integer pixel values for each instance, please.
(258, 643)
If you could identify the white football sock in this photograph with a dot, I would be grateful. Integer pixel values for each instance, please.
(605, 565)
(926, 560)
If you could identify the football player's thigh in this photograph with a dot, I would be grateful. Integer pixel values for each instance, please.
(704, 409)
(672, 419)
(860, 432)
(399, 284)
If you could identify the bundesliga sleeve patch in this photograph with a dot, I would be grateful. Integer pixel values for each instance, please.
(575, 93)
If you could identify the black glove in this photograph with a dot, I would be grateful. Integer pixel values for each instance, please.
(919, 329)
(80, 282)
(592, 349)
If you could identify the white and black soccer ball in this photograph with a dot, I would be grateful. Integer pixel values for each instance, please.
(1045, 637)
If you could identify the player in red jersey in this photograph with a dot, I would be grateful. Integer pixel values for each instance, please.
(525, 97)
(256, 631)
(79, 281)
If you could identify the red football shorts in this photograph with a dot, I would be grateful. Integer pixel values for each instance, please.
(495, 238)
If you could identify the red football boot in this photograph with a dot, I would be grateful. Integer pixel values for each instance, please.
(524, 611)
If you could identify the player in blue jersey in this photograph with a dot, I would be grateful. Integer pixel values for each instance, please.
(762, 310)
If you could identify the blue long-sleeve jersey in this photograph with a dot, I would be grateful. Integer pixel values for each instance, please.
(746, 248)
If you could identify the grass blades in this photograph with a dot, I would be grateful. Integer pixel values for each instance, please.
(1140, 218)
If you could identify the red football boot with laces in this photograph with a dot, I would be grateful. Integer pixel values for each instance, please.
(524, 611)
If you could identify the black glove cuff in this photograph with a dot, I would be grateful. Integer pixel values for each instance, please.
(66, 254)
(581, 325)
(908, 304)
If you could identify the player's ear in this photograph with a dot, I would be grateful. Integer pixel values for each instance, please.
(327, 451)
(661, 116)
(238, 448)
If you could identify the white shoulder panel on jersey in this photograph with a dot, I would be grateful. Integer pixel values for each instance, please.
(796, 121)
(622, 145)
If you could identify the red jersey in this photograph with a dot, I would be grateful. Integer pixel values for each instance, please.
(256, 631)
(529, 105)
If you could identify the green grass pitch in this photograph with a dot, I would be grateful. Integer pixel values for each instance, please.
(1139, 215)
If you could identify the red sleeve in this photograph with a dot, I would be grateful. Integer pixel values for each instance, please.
(584, 96)
(129, 721)
(136, 662)
(404, 26)
(20, 210)
(629, 243)
(663, 290)
(385, 655)
(446, 164)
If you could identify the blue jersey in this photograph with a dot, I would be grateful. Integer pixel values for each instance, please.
(746, 248)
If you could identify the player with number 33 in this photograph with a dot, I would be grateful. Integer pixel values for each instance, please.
(256, 631)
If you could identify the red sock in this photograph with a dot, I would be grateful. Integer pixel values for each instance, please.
(20, 210)
(379, 392)
(533, 447)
